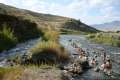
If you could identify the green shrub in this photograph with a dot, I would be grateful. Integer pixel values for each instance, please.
(91, 36)
(117, 43)
(7, 38)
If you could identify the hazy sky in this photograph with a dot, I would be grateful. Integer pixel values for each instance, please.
(88, 11)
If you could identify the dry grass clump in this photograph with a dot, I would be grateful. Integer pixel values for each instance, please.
(10, 73)
(51, 35)
(48, 50)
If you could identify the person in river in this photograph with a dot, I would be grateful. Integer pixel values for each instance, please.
(73, 44)
(83, 57)
(70, 40)
(81, 53)
(107, 57)
(103, 66)
(79, 50)
(93, 62)
(104, 55)
(108, 67)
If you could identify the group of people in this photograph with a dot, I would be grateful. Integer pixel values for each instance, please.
(82, 55)
(105, 65)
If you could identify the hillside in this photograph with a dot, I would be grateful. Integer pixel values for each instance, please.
(45, 20)
(110, 26)
(18, 25)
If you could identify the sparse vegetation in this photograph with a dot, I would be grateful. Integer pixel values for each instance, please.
(68, 31)
(15, 30)
(42, 72)
(49, 50)
(10, 73)
(77, 25)
(106, 38)
(51, 35)
(7, 38)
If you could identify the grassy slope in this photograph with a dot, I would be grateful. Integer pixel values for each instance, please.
(13, 27)
(27, 24)
(46, 20)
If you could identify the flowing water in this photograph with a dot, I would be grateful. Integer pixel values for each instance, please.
(90, 47)
(82, 42)
(20, 49)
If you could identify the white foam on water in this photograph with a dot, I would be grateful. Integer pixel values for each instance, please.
(116, 53)
(3, 63)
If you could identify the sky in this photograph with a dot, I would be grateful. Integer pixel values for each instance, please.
(88, 11)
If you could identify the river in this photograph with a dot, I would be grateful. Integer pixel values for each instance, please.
(88, 46)
(91, 47)
(19, 49)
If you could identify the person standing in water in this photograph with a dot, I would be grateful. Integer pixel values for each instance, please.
(108, 67)
(103, 55)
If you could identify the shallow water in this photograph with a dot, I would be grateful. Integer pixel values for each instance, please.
(91, 47)
(20, 49)
(82, 42)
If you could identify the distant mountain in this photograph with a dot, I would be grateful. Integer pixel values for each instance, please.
(111, 26)
(40, 20)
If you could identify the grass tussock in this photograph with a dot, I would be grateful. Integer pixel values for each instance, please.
(49, 50)
(51, 35)
(10, 73)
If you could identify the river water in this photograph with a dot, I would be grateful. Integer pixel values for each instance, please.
(20, 49)
(81, 41)
(91, 47)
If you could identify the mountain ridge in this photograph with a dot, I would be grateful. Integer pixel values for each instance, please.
(45, 20)
(109, 26)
